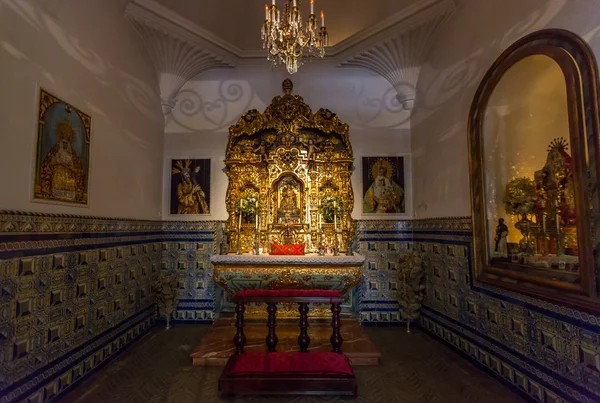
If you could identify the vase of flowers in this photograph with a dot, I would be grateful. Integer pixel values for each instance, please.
(519, 199)
(412, 289)
(331, 207)
(247, 207)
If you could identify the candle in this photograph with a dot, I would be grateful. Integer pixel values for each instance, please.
(335, 215)
(312, 7)
(256, 219)
(322, 18)
(266, 12)
(294, 3)
(240, 221)
(273, 2)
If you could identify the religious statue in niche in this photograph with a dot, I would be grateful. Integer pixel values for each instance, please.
(544, 213)
(383, 185)
(190, 186)
(289, 201)
(63, 150)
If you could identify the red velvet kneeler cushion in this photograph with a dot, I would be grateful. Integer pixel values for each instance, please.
(293, 249)
(288, 293)
(292, 363)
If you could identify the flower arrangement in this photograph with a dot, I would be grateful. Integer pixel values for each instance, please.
(166, 296)
(331, 206)
(412, 290)
(247, 205)
(520, 196)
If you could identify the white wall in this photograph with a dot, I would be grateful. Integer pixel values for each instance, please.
(208, 105)
(466, 47)
(87, 53)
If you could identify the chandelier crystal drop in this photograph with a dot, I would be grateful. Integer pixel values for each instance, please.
(285, 39)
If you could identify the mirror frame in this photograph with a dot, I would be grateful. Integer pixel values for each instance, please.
(580, 70)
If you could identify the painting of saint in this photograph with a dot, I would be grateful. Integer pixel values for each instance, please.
(63, 152)
(383, 185)
(190, 186)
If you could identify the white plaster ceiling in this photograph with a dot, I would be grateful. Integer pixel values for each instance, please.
(238, 22)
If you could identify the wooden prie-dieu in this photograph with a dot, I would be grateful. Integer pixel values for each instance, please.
(288, 373)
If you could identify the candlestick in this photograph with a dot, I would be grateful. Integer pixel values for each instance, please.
(312, 7)
(322, 18)
(240, 220)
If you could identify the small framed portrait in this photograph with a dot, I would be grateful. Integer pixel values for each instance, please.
(190, 186)
(62, 157)
(384, 185)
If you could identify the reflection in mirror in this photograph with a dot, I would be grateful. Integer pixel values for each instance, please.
(528, 182)
(534, 149)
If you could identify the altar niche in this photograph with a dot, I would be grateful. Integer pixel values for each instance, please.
(285, 166)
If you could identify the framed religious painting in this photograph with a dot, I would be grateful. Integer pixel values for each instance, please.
(384, 188)
(190, 186)
(62, 159)
(533, 142)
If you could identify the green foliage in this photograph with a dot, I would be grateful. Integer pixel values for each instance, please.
(331, 206)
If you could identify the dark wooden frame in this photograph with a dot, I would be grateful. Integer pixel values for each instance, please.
(579, 67)
(282, 384)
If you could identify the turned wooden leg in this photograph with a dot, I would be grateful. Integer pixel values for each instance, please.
(303, 339)
(271, 323)
(239, 339)
(336, 336)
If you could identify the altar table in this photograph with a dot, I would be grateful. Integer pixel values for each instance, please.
(242, 272)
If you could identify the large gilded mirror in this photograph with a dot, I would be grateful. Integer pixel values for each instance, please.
(533, 156)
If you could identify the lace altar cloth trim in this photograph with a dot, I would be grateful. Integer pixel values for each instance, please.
(312, 259)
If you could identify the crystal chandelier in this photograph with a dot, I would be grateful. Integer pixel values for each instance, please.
(287, 43)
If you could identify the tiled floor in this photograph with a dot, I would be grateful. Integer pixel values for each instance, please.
(414, 368)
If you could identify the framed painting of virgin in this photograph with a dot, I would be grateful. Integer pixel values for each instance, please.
(384, 185)
(63, 152)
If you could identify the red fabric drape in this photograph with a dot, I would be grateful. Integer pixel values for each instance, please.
(293, 249)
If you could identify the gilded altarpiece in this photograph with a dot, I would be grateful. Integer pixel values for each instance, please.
(289, 188)
(289, 162)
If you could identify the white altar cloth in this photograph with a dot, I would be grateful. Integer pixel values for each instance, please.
(311, 259)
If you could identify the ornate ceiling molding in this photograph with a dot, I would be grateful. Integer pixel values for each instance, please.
(178, 54)
(395, 48)
(397, 52)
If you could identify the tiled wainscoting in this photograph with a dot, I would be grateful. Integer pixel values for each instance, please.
(74, 291)
(186, 252)
(547, 352)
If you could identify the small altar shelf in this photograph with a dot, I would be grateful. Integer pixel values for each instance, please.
(290, 373)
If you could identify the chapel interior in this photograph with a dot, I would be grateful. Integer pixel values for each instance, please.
(299, 201)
